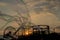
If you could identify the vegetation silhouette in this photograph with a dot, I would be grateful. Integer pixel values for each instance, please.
(38, 36)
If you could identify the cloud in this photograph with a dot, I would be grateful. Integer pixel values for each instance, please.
(44, 18)
(45, 5)
(12, 1)
(3, 4)
(8, 1)
(48, 10)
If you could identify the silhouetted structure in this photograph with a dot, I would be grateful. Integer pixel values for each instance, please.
(7, 35)
(39, 33)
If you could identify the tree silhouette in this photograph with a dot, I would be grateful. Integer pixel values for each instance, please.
(22, 20)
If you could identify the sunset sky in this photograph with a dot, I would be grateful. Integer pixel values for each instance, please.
(45, 12)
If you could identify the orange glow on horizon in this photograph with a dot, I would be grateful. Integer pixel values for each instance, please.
(28, 32)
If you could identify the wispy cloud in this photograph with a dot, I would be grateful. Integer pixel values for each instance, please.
(45, 18)
(3, 4)
(49, 10)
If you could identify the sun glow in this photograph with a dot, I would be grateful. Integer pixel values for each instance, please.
(28, 32)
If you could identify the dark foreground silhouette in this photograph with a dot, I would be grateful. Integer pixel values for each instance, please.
(38, 36)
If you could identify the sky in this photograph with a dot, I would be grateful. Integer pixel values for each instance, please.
(42, 12)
